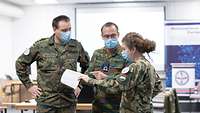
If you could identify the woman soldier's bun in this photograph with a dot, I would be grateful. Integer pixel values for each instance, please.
(149, 46)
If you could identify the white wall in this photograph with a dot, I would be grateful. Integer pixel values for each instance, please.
(5, 46)
(36, 23)
(128, 19)
(188, 10)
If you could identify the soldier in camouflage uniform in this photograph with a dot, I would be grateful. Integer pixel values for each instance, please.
(136, 81)
(53, 56)
(109, 61)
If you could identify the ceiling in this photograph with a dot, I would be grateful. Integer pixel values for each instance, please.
(31, 2)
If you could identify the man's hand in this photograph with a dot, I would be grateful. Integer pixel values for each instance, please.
(35, 91)
(77, 92)
(84, 78)
(99, 75)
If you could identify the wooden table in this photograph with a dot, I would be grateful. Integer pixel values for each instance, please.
(8, 104)
(4, 106)
(14, 83)
(84, 106)
(32, 106)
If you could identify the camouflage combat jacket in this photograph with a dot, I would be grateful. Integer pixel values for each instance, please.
(136, 82)
(110, 63)
(51, 62)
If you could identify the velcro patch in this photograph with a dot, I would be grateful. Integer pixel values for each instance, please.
(125, 70)
(27, 52)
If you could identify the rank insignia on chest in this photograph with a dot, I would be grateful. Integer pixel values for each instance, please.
(105, 66)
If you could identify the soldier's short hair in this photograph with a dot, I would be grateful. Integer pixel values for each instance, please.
(108, 24)
(57, 19)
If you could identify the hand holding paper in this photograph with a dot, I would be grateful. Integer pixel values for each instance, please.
(71, 78)
(84, 78)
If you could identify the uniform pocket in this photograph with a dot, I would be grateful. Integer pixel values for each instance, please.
(47, 63)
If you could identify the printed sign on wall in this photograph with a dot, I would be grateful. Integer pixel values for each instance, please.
(182, 45)
(183, 77)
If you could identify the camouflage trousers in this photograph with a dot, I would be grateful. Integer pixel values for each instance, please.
(50, 109)
(107, 107)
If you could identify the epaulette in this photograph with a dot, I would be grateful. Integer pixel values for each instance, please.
(99, 51)
(73, 40)
(42, 39)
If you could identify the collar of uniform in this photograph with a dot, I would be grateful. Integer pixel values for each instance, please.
(114, 52)
(141, 58)
(51, 40)
(118, 49)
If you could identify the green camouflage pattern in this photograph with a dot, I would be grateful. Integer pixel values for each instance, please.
(50, 109)
(136, 84)
(158, 86)
(171, 104)
(111, 63)
(52, 60)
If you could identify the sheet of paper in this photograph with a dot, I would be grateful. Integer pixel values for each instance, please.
(71, 78)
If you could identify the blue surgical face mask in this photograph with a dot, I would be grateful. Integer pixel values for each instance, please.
(125, 55)
(111, 43)
(65, 37)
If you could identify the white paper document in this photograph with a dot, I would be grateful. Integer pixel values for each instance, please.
(71, 78)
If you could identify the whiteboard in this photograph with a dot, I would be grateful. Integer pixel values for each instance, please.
(148, 21)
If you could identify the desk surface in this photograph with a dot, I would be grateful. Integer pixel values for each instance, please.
(195, 96)
(18, 82)
(32, 106)
(8, 104)
(3, 107)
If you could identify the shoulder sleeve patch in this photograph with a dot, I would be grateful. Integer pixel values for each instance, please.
(27, 52)
(125, 70)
